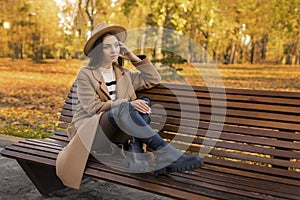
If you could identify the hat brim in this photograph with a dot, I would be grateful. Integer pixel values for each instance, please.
(120, 31)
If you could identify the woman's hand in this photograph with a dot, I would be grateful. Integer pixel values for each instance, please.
(127, 54)
(141, 106)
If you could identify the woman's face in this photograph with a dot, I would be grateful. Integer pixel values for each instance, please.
(111, 48)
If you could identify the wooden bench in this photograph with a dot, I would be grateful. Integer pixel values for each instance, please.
(256, 156)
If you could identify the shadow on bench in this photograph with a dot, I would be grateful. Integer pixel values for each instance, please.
(255, 156)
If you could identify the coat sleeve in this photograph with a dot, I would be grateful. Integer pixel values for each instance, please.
(147, 76)
(88, 97)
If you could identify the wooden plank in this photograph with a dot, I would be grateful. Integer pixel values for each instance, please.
(63, 125)
(263, 188)
(238, 120)
(229, 104)
(146, 186)
(223, 176)
(182, 123)
(257, 159)
(231, 129)
(232, 188)
(242, 157)
(70, 101)
(70, 107)
(66, 113)
(60, 138)
(219, 192)
(11, 153)
(40, 154)
(230, 136)
(190, 110)
(219, 96)
(230, 90)
(226, 136)
(260, 150)
(256, 176)
(65, 119)
(38, 147)
(58, 145)
(61, 133)
(255, 168)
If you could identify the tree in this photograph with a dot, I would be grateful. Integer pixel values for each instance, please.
(34, 24)
(285, 31)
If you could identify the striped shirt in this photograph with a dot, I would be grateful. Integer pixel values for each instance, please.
(110, 80)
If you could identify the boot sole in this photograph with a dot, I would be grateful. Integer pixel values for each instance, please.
(178, 167)
(137, 167)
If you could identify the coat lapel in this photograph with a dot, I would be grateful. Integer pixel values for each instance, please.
(122, 83)
(98, 75)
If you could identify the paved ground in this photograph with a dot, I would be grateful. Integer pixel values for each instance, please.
(15, 185)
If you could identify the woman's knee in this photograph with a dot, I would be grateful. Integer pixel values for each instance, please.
(120, 112)
(126, 113)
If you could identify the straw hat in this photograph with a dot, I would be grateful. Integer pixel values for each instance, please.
(100, 30)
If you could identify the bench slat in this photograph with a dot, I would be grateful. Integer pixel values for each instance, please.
(228, 97)
(232, 129)
(227, 136)
(60, 138)
(292, 175)
(243, 178)
(251, 114)
(245, 184)
(261, 150)
(230, 90)
(237, 189)
(61, 133)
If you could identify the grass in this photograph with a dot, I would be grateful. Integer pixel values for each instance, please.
(256, 77)
(31, 95)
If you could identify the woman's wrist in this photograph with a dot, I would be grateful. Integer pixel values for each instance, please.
(135, 58)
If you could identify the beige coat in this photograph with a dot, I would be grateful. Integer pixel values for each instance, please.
(94, 99)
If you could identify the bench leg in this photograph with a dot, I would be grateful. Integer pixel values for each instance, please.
(43, 177)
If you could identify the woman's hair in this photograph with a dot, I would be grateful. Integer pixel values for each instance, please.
(96, 53)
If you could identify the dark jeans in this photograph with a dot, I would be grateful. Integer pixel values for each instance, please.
(111, 124)
(136, 116)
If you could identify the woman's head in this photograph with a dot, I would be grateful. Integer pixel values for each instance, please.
(103, 45)
(105, 50)
(100, 30)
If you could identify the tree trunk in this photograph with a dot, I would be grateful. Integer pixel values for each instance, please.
(297, 62)
(158, 52)
(90, 13)
(264, 43)
(232, 54)
(252, 52)
(21, 50)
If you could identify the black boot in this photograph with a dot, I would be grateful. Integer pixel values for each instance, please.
(170, 159)
(136, 159)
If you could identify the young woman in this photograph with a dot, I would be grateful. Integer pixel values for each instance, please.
(109, 113)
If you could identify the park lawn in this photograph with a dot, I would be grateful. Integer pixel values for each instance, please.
(243, 76)
(31, 95)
